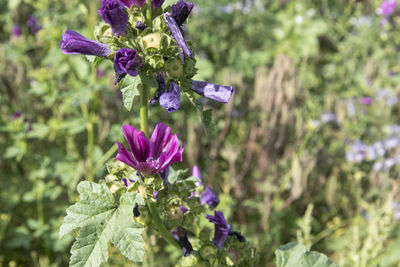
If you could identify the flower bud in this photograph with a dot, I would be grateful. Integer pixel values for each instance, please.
(151, 40)
(190, 260)
(144, 217)
(175, 213)
(208, 252)
(174, 68)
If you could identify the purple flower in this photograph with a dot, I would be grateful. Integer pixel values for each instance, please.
(150, 157)
(127, 61)
(112, 13)
(184, 209)
(181, 10)
(170, 99)
(33, 24)
(328, 117)
(140, 3)
(74, 43)
(365, 100)
(164, 176)
(181, 235)
(210, 198)
(99, 72)
(16, 31)
(16, 115)
(215, 92)
(196, 173)
(127, 182)
(387, 7)
(183, 48)
(140, 25)
(221, 228)
(161, 87)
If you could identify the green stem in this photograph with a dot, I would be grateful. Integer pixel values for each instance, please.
(148, 14)
(105, 157)
(160, 225)
(143, 109)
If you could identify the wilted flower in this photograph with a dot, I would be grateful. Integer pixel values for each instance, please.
(181, 10)
(215, 92)
(210, 198)
(127, 61)
(140, 3)
(221, 228)
(140, 25)
(181, 236)
(74, 43)
(16, 31)
(387, 7)
(161, 87)
(170, 99)
(112, 13)
(164, 176)
(183, 48)
(33, 24)
(150, 157)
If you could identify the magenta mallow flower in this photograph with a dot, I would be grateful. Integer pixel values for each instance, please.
(170, 99)
(127, 61)
(181, 236)
(33, 24)
(221, 228)
(74, 43)
(140, 3)
(387, 7)
(150, 156)
(181, 10)
(212, 91)
(210, 198)
(112, 12)
(176, 33)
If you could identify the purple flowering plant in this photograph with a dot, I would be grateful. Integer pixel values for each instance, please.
(142, 190)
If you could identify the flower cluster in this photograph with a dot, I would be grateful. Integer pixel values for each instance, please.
(159, 52)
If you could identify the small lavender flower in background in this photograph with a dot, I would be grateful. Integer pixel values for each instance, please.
(181, 10)
(387, 7)
(74, 43)
(379, 148)
(365, 100)
(393, 129)
(387, 96)
(389, 163)
(391, 142)
(112, 13)
(33, 24)
(150, 157)
(329, 117)
(221, 229)
(356, 152)
(370, 153)
(183, 48)
(378, 166)
(170, 99)
(181, 236)
(396, 209)
(99, 72)
(16, 31)
(127, 61)
(351, 108)
(215, 92)
(210, 198)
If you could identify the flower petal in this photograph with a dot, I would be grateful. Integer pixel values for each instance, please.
(124, 156)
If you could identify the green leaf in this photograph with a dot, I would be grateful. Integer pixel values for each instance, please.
(102, 219)
(175, 175)
(130, 89)
(297, 255)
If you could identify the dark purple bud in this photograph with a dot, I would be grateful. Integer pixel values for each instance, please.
(170, 99)
(136, 212)
(16, 31)
(183, 48)
(16, 115)
(212, 91)
(127, 61)
(181, 10)
(221, 228)
(140, 3)
(140, 25)
(181, 236)
(184, 209)
(164, 176)
(112, 13)
(210, 198)
(118, 78)
(238, 236)
(161, 87)
(129, 3)
(74, 43)
(33, 24)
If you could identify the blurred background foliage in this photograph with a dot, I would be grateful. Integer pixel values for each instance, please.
(308, 149)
